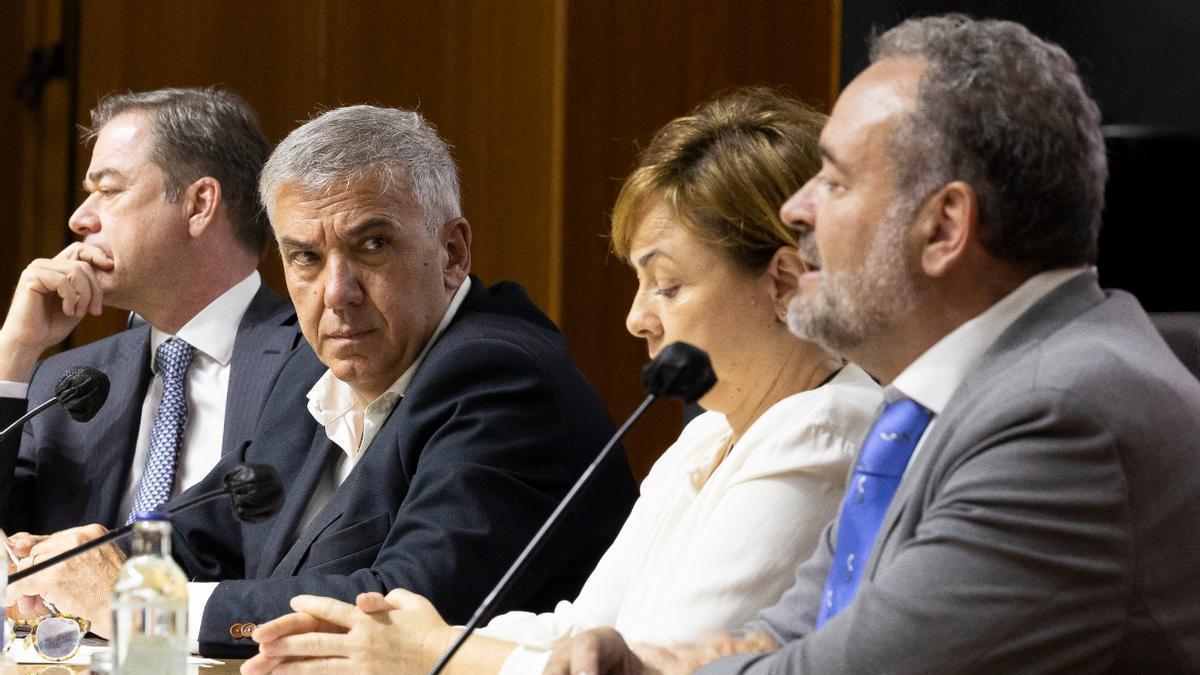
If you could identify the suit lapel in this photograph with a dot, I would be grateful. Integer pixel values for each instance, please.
(299, 491)
(295, 556)
(265, 337)
(342, 495)
(129, 372)
(1047, 315)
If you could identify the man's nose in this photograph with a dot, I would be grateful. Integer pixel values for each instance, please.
(799, 211)
(343, 288)
(85, 220)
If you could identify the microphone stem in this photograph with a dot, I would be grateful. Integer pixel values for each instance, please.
(16, 425)
(489, 603)
(110, 536)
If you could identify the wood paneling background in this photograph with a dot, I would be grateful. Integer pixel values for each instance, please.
(545, 102)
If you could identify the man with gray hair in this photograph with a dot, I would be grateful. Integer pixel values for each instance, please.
(171, 229)
(444, 421)
(1029, 498)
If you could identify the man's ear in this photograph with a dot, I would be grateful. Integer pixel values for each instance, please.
(455, 239)
(783, 274)
(947, 224)
(201, 199)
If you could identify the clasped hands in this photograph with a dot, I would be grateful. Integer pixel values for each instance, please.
(81, 586)
(399, 633)
(403, 633)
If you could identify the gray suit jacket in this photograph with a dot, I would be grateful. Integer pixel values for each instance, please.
(1050, 522)
(59, 473)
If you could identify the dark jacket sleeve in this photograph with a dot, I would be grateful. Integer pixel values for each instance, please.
(10, 448)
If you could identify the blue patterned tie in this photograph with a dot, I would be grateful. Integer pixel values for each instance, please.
(172, 357)
(877, 474)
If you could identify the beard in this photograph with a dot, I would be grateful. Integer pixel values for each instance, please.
(853, 306)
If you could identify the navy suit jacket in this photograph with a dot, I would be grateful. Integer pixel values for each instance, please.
(492, 431)
(60, 473)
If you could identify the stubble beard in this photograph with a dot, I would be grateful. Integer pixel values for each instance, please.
(851, 307)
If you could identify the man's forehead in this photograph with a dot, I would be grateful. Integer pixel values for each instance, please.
(342, 195)
(126, 131)
(344, 204)
(121, 143)
(872, 104)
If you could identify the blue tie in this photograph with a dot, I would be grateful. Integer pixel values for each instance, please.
(877, 474)
(172, 357)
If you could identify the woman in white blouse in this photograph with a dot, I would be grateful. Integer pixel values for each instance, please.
(732, 507)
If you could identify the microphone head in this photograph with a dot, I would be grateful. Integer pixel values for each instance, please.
(82, 391)
(256, 492)
(680, 371)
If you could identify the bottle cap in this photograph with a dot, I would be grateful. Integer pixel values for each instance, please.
(151, 516)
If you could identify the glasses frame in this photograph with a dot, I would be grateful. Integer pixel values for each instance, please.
(11, 625)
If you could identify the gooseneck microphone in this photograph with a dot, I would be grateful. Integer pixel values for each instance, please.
(255, 491)
(679, 371)
(80, 390)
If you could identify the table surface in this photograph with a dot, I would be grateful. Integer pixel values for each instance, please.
(230, 667)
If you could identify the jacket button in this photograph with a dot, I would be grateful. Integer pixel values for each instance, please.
(247, 629)
(235, 631)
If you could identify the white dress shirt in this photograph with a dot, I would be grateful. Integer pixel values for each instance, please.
(932, 379)
(695, 555)
(212, 332)
(351, 426)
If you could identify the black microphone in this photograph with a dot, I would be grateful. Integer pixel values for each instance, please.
(679, 371)
(80, 390)
(255, 491)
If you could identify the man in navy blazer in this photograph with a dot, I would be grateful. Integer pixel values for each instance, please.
(445, 420)
(172, 230)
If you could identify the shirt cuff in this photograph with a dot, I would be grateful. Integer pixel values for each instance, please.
(198, 594)
(525, 660)
(13, 389)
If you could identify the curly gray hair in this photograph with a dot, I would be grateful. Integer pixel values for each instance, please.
(1006, 112)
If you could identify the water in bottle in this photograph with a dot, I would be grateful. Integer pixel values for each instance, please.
(150, 604)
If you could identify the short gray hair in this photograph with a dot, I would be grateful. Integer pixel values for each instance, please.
(200, 132)
(394, 146)
(1006, 112)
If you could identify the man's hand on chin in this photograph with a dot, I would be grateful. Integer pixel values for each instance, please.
(52, 297)
(81, 586)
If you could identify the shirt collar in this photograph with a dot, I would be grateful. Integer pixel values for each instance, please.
(330, 398)
(211, 332)
(932, 379)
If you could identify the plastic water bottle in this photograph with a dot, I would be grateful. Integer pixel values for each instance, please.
(150, 604)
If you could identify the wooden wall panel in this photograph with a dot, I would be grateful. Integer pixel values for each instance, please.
(12, 53)
(632, 66)
(38, 142)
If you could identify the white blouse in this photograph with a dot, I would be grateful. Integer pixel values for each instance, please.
(691, 560)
